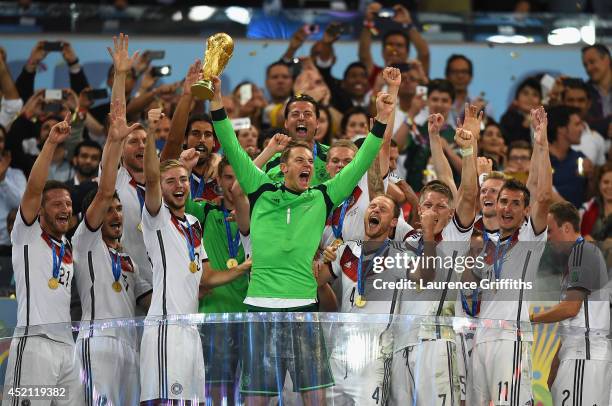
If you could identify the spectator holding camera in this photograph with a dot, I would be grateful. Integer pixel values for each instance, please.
(25, 81)
(395, 43)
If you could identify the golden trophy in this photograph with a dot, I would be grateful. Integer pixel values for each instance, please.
(219, 49)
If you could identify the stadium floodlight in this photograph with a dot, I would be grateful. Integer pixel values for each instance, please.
(564, 35)
(510, 39)
(238, 14)
(587, 33)
(201, 13)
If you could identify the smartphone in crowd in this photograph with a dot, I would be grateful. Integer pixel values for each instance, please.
(53, 46)
(53, 94)
(246, 93)
(152, 55)
(164, 70)
(97, 94)
(421, 91)
(386, 13)
(52, 107)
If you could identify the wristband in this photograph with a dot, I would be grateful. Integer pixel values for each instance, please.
(76, 61)
(466, 152)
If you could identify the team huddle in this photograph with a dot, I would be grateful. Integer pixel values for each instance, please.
(297, 229)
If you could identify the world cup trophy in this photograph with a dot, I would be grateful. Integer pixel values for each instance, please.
(219, 50)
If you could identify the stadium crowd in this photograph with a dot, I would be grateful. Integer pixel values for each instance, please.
(281, 200)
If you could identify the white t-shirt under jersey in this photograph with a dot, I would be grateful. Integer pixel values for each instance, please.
(175, 288)
(37, 304)
(132, 239)
(94, 279)
(505, 304)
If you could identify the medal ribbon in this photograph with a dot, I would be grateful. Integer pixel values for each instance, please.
(57, 260)
(186, 231)
(115, 264)
(232, 242)
(337, 230)
(360, 275)
(196, 192)
(314, 151)
(140, 193)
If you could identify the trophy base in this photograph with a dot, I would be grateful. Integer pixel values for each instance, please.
(203, 90)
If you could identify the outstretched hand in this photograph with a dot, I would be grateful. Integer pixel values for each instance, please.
(118, 129)
(193, 75)
(539, 120)
(120, 54)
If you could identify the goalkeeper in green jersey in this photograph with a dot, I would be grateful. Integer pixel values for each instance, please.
(287, 222)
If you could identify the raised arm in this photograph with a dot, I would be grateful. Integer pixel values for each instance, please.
(117, 133)
(343, 183)
(249, 176)
(174, 144)
(532, 178)
(153, 197)
(32, 197)
(468, 190)
(543, 196)
(393, 80)
(365, 38)
(402, 16)
(123, 64)
(440, 162)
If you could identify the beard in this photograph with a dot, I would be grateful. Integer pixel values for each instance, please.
(87, 171)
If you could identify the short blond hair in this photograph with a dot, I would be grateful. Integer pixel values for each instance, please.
(495, 175)
(168, 164)
(343, 144)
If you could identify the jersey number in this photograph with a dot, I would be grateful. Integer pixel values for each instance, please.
(64, 276)
(503, 393)
(566, 395)
(376, 395)
(443, 397)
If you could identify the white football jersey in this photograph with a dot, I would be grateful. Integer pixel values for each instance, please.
(584, 336)
(346, 267)
(93, 261)
(175, 287)
(519, 256)
(453, 242)
(39, 306)
(353, 227)
(132, 196)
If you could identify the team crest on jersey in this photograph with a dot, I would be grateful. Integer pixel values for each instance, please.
(126, 264)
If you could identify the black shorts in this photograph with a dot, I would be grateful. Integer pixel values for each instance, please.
(270, 349)
(221, 344)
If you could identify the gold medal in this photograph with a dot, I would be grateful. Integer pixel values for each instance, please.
(117, 286)
(53, 283)
(337, 242)
(360, 301)
(231, 263)
(193, 268)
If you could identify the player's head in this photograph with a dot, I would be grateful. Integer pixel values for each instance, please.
(201, 136)
(380, 217)
(489, 190)
(437, 196)
(133, 150)
(339, 155)
(225, 176)
(297, 165)
(174, 179)
(56, 208)
(112, 226)
(512, 205)
(563, 222)
(301, 117)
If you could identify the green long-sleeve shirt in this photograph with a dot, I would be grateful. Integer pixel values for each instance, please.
(286, 226)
